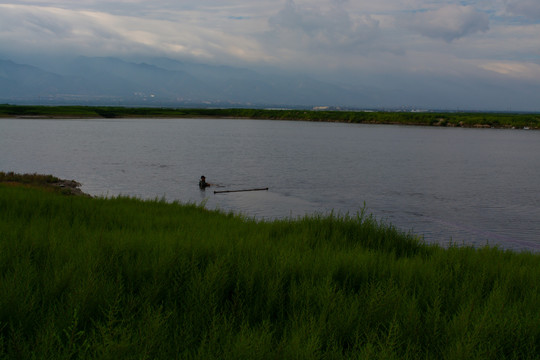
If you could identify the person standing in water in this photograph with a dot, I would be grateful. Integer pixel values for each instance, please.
(203, 184)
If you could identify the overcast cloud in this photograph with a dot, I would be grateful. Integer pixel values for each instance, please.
(527, 8)
(449, 22)
(362, 40)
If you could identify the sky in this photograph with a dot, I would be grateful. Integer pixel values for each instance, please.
(393, 44)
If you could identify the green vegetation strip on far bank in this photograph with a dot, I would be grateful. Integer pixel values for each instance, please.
(457, 119)
(85, 278)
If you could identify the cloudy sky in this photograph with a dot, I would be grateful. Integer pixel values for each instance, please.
(469, 44)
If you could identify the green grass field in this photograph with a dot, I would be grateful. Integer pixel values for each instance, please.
(122, 278)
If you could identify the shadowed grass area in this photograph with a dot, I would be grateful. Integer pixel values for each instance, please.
(96, 278)
(36, 179)
(47, 182)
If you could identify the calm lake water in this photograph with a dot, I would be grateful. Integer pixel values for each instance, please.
(472, 186)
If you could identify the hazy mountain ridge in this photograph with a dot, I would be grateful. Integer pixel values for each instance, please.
(168, 82)
(161, 81)
(18, 80)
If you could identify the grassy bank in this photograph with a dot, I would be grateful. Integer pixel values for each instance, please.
(123, 278)
(457, 119)
(45, 182)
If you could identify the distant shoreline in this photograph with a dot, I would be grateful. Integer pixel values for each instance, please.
(441, 119)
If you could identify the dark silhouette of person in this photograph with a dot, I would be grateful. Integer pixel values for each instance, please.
(203, 184)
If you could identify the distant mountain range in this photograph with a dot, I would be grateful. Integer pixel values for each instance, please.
(166, 82)
(170, 83)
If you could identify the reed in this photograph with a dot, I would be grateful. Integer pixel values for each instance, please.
(85, 278)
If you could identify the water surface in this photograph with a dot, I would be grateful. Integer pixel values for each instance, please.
(469, 186)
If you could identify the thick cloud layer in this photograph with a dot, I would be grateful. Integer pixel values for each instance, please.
(527, 8)
(449, 22)
(385, 43)
(314, 27)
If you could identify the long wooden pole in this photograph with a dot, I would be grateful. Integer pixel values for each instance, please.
(230, 191)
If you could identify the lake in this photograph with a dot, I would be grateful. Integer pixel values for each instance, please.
(466, 186)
